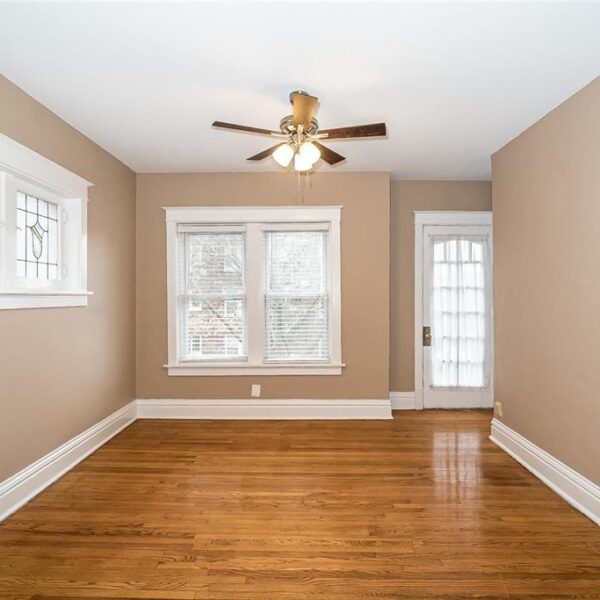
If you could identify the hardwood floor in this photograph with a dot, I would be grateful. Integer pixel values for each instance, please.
(420, 507)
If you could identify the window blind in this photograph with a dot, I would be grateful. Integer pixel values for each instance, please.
(212, 295)
(296, 296)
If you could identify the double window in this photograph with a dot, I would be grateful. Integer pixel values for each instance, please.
(254, 290)
(42, 231)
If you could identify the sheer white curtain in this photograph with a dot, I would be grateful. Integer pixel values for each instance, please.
(460, 311)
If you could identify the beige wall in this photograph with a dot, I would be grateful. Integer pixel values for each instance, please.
(64, 369)
(365, 280)
(546, 195)
(406, 197)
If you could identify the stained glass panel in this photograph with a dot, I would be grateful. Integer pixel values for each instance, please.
(37, 238)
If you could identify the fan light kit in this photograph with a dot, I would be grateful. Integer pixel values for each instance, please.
(301, 135)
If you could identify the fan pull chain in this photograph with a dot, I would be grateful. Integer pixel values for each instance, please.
(303, 179)
(299, 188)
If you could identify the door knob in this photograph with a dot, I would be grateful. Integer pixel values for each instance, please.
(427, 336)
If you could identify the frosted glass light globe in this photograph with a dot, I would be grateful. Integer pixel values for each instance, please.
(283, 155)
(301, 163)
(309, 151)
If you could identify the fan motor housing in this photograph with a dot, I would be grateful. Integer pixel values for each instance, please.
(287, 125)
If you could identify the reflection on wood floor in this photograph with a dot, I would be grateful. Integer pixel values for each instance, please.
(423, 506)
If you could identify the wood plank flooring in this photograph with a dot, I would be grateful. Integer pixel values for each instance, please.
(423, 506)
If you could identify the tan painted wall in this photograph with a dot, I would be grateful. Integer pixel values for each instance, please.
(64, 369)
(546, 194)
(365, 280)
(406, 197)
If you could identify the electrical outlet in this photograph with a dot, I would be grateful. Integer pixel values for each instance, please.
(256, 390)
(499, 410)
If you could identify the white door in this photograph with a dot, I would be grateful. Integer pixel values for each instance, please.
(457, 332)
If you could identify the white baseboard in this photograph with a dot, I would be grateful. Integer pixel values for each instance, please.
(27, 483)
(264, 409)
(460, 404)
(578, 491)
(403, 400)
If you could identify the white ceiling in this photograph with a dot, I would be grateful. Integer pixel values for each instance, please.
(453, 81)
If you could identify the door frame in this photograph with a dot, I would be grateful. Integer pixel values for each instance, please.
(422, 219)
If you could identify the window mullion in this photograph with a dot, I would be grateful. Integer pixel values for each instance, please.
(255, 317)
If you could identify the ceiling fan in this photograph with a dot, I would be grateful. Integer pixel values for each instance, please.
(300, 135)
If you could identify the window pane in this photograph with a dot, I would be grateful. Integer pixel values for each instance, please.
(296, 302)
(297, 329)
(215, 263)
(212, 296)
(37, 238)
(296, 262)
(214, 329)
(459, 312)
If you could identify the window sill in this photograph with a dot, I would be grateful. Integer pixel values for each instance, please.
(15, 299)
(199, 369)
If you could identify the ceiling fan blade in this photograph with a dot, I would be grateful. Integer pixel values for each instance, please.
(328, 155)
(304, 109)
(357, 131)
(265, 153)
(245, 128)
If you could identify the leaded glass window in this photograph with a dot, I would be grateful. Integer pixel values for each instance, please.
(43, 231)
(37, 238)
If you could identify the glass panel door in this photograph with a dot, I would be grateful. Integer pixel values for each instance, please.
(457, 361)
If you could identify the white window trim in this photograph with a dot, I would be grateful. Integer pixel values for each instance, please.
(268, 215)
(21, 164)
